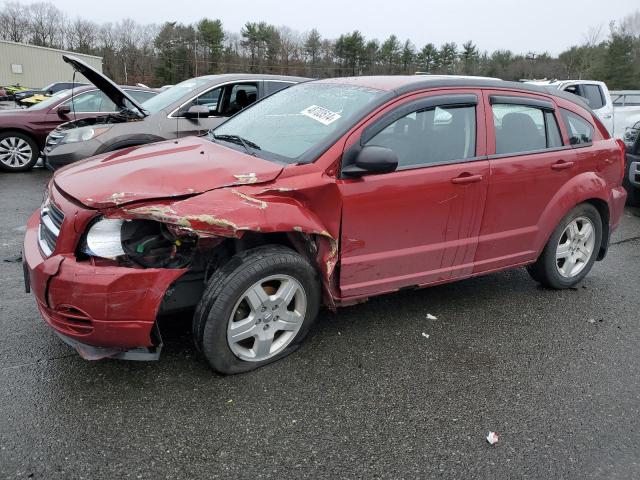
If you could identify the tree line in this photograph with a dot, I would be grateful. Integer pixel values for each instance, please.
(168, 53)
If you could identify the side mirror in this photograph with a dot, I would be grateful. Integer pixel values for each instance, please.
(197, 111)
(372, 159)
(63, 110)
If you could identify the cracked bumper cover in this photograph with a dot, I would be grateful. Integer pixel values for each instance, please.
(108, 307)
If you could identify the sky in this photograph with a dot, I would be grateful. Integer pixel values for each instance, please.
(521, 26)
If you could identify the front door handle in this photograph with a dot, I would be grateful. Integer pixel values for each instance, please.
(562, 165)
(465, 178)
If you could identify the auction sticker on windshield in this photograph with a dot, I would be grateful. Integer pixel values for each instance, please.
(321, 114)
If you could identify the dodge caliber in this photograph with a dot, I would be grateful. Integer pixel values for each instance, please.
(324, 194)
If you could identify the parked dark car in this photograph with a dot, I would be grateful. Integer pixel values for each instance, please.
(329, 192)
(48, 90)
(23, 131)
(632, 176)
(188, 108)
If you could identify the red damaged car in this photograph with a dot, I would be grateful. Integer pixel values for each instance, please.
(326, 193)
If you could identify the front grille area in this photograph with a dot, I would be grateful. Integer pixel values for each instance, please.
(51, 219)
(53, 139)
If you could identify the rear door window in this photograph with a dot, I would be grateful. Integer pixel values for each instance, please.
(580, 130)
(523, 128)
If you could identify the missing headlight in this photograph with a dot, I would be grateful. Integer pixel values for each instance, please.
(151, 244)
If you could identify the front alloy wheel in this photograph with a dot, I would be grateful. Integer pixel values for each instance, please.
(257, 308)
(267, 317)
(17, 152)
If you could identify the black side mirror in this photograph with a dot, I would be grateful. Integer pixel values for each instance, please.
(63, 110)
(197, 111)
(372, 159)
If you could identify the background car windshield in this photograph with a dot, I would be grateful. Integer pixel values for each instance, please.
(52, 100)
(293, 121)
(170, 95)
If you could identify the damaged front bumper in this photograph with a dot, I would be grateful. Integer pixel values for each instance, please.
(102, 311)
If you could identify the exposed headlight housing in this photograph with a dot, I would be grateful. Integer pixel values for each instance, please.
(82, 134)
(104, 239)
(144, 242)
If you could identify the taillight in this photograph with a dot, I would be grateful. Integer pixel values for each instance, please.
(623, 158)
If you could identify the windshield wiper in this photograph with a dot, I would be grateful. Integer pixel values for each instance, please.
(248, 145)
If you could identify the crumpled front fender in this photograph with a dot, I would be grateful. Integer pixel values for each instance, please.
(232, 212)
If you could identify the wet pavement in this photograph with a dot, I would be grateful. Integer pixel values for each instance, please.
(556, 373)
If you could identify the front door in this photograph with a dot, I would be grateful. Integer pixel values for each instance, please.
(223, 102)
(419, 224)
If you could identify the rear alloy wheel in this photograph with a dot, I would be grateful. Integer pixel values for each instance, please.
(257, 308)
(575, 247)
(571, 250)
(17, 152)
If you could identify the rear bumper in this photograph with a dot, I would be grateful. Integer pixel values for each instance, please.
(616, 206)
(99, 306)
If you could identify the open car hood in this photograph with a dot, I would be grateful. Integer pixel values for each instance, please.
(106, 85)
(161, 170)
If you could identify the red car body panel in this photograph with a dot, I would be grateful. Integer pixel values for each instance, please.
(368, 235)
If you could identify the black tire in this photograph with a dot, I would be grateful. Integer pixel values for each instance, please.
(545, 270)
(226, 288)
(35, 151)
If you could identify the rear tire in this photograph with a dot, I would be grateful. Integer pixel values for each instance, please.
(18, 152)
(572, 249)
(257, 309)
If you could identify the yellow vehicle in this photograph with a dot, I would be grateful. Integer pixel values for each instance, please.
(33, 99)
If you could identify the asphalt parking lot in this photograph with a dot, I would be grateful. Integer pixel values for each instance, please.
(556, 373)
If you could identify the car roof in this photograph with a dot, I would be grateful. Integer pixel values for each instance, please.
(402, 84)
(232, 77)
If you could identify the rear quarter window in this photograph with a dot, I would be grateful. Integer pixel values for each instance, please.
(580, 130)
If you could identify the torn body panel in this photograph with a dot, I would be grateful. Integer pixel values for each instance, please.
(234, 212)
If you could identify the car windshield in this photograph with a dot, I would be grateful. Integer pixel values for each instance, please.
(52, 100)
(288, 124)
(170, 95)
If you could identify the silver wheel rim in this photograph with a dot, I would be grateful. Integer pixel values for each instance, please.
(15, 152)
(575, 247)
(266, 318)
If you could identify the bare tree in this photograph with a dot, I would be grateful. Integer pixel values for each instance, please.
(14, 22)
(46, 25)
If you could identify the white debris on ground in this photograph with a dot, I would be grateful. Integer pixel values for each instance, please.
(431, 317)
(425, 335)
(493, 437)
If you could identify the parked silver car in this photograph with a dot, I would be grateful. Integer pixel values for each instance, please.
(191, 107)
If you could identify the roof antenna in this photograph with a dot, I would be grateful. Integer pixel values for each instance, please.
(73, 101)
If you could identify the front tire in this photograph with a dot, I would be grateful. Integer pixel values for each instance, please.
(256, 309)
(18, 152)
(572, 249)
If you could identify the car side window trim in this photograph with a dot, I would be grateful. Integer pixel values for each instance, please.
(528, 152)
(443, 101)
(524, 101)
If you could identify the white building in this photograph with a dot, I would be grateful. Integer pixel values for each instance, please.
(37, 67)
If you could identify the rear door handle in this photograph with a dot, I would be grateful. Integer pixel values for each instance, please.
(562, 165)
(465, 178)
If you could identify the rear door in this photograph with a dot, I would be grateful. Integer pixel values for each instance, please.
(419, 224)
(529, 162)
